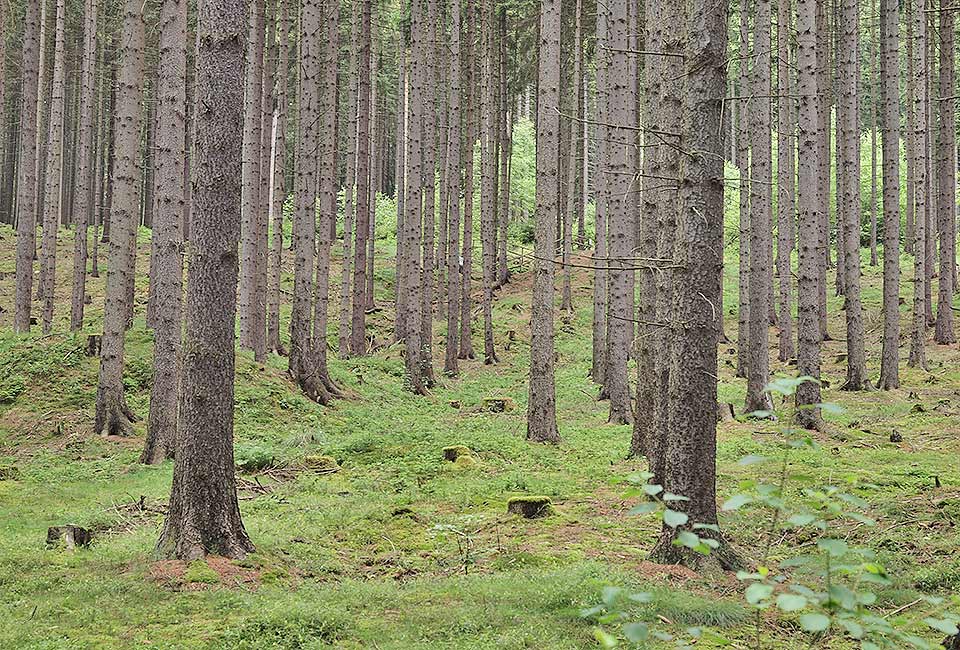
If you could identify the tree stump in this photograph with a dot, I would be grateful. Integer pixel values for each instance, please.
(456, 451)
(321, 464)
(93, 346)
(530, 507)
(498, 404)
(71, 536)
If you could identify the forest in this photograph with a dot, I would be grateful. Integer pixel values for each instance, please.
(474, 324)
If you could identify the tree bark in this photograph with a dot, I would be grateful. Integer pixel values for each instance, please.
(743, 161)
(167, 232)
(786, 180)
(918, 333)
(358, 332)
(946, 169)
(53, 190)
(541, 409)
(252, 325)
(113, 416)
(349, 190)
(27, 174)
(874, 112)
(600, 263)
(204, 515)
(469, 77)
(761, 262)
(850, 207)
(450, 366)
(488, 172)
(890, 118)
(428, 163)
(571, 198)
(810, 224)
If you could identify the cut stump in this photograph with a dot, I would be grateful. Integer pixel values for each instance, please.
(530, 507)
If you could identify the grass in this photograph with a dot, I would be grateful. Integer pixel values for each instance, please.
(399, 548)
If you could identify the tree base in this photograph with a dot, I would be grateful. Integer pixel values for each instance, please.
(722, 558)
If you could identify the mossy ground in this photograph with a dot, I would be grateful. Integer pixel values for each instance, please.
(400, 549)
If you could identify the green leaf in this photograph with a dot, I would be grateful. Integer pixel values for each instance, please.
(644, 508)
(758, 592)
(653, 490)
(636, 632)
(791, 602)
(668, 496)
(606, 640)
(736, 501)
(835, 547)
(814, 622)
(688, 539)
(674, 518)
(801, 519)
(752, 459)
(610, 595)
(942, 625)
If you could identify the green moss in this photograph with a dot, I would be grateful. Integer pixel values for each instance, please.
(455, 452)
(321, 463)
(200, 572)
(465, 461)
(530, 507)
(938, 576)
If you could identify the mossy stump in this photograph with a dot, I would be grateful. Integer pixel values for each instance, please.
(70, 536)
(321, 464)
(498, 404)
(453, 453)
(530, 507)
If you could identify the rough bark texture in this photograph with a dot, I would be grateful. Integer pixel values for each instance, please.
(84, 189)
(946, 170)
(466, 301)
(620, 222)
(488, 196)
(890, 119)
(786, 181)
(919, 135)
(691, 438)
(570, 207)
(849, 192)
(349, 190)
(429, 190)
(252, 318)
(542, 407)
(167, 232)
(600, 262)
(278, 187)
(743, 161)
(874, 111)
(53, 188)
(113, 416)
(304, 360)
(453, 189)
(811, 257)
(27, 176)
(761, 262)
(204, 515)
(358, 332)
(823, 160)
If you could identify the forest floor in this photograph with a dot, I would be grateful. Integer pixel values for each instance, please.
(401, 549)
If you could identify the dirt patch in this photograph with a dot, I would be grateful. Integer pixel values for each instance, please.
(172, 574)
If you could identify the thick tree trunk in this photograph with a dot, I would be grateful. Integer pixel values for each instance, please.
(874, 112)
(810, 224)
(429, 190)
(27, 175)
(849, 192)
(571, 198)
(621, 225)
(823, 161)
(113, 416)
(53, 190)
(946, 170)
(167, 232)
(600, 262)
(349, 204)
(691, 437)
(252, 325)
(469, 77)
(453, 189)
(542, 408)
(910, 97)
(761, 262)
(890, 118)
(204, 514)
(919, 330)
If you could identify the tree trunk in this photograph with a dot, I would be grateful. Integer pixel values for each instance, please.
(918, 334)
(469, 77)
(358, 332)
(810, 224)
(349, 190)
(743, 161)
(600, 262)
(428, 79)
(252, 325)
(691, 437)
(488, 196)
(53, 190)
(27, 175)
(167, 232)
(761, 262)
(823, 161)
(278, 188)
(542, 409)
(204, 515)
(113, 416)
(874, 112)
(909, 126)
(890, 118)
(453, 189)
(946, 205)
(570, 209)
(621, 226)
(786, 181)
(505, 122)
